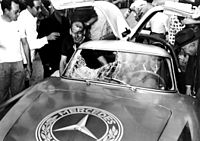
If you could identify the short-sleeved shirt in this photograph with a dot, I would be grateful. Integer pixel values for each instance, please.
(10, 50)
(67, 48)
(159, 23)
(174, 27)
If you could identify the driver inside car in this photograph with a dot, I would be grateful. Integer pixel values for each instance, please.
(142, 70)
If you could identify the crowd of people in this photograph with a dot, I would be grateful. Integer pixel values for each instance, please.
(182, 33)
(30, 27)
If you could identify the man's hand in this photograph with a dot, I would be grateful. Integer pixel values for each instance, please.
(28, 71)
(53, 36)
(188, 90)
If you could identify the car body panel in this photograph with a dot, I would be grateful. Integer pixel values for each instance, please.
(110, 100)
(143, 110)
(54, 108)
(60, 108)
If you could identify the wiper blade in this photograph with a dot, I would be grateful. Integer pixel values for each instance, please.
(114, 79)
(121, 82)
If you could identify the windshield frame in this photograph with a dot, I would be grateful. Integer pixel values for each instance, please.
(77, 53)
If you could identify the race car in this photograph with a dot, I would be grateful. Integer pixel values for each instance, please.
(134, 96)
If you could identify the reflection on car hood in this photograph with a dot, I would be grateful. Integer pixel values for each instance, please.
(77, 111)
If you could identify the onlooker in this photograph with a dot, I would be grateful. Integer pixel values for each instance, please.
(12, 73)
(50, 54)
(175, 25)
(158, 24)
(28, 22)
(28, 25)
(139, 7)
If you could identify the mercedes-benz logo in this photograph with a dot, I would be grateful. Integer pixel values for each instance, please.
(80, 126)
(80, 123)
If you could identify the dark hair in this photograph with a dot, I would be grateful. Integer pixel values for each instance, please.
(149, 1)
(193, 2)
(6, 4)
(74, 21)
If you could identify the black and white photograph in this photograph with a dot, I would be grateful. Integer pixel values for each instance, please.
(100, 70)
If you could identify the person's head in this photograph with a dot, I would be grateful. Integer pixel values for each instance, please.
(59, 14)
(158, 2)
(10, 9)
(149, 1)
(191, 48)
(78, 31)
(33, 6)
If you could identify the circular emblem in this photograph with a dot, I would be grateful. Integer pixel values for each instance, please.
(79, 123)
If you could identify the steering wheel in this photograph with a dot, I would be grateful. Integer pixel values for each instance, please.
(148, 78)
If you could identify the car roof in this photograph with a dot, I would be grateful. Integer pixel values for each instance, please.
(112, 13)
(125, 46)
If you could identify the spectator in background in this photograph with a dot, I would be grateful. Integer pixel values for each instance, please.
(158, 24)
(139, 7)
(12, 73)
(175, 25)
(50, 53)
(28, 23)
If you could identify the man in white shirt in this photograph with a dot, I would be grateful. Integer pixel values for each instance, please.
(28, 23)
(159, 25)
(12, 73)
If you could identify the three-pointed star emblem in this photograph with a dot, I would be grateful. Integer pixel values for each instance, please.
(80, 126)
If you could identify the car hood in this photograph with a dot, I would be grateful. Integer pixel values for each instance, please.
(78, 111)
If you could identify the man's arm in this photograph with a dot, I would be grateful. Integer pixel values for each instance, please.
(26, 49)
(102, 60)
(63, 62)
(91, 21)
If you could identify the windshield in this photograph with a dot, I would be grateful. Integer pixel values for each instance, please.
(123, 68)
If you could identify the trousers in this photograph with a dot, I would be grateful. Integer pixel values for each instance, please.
(12, 79)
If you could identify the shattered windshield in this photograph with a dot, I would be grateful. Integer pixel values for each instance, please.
(132, 69)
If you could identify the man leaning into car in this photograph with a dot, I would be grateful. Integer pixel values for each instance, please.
(78, 36)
